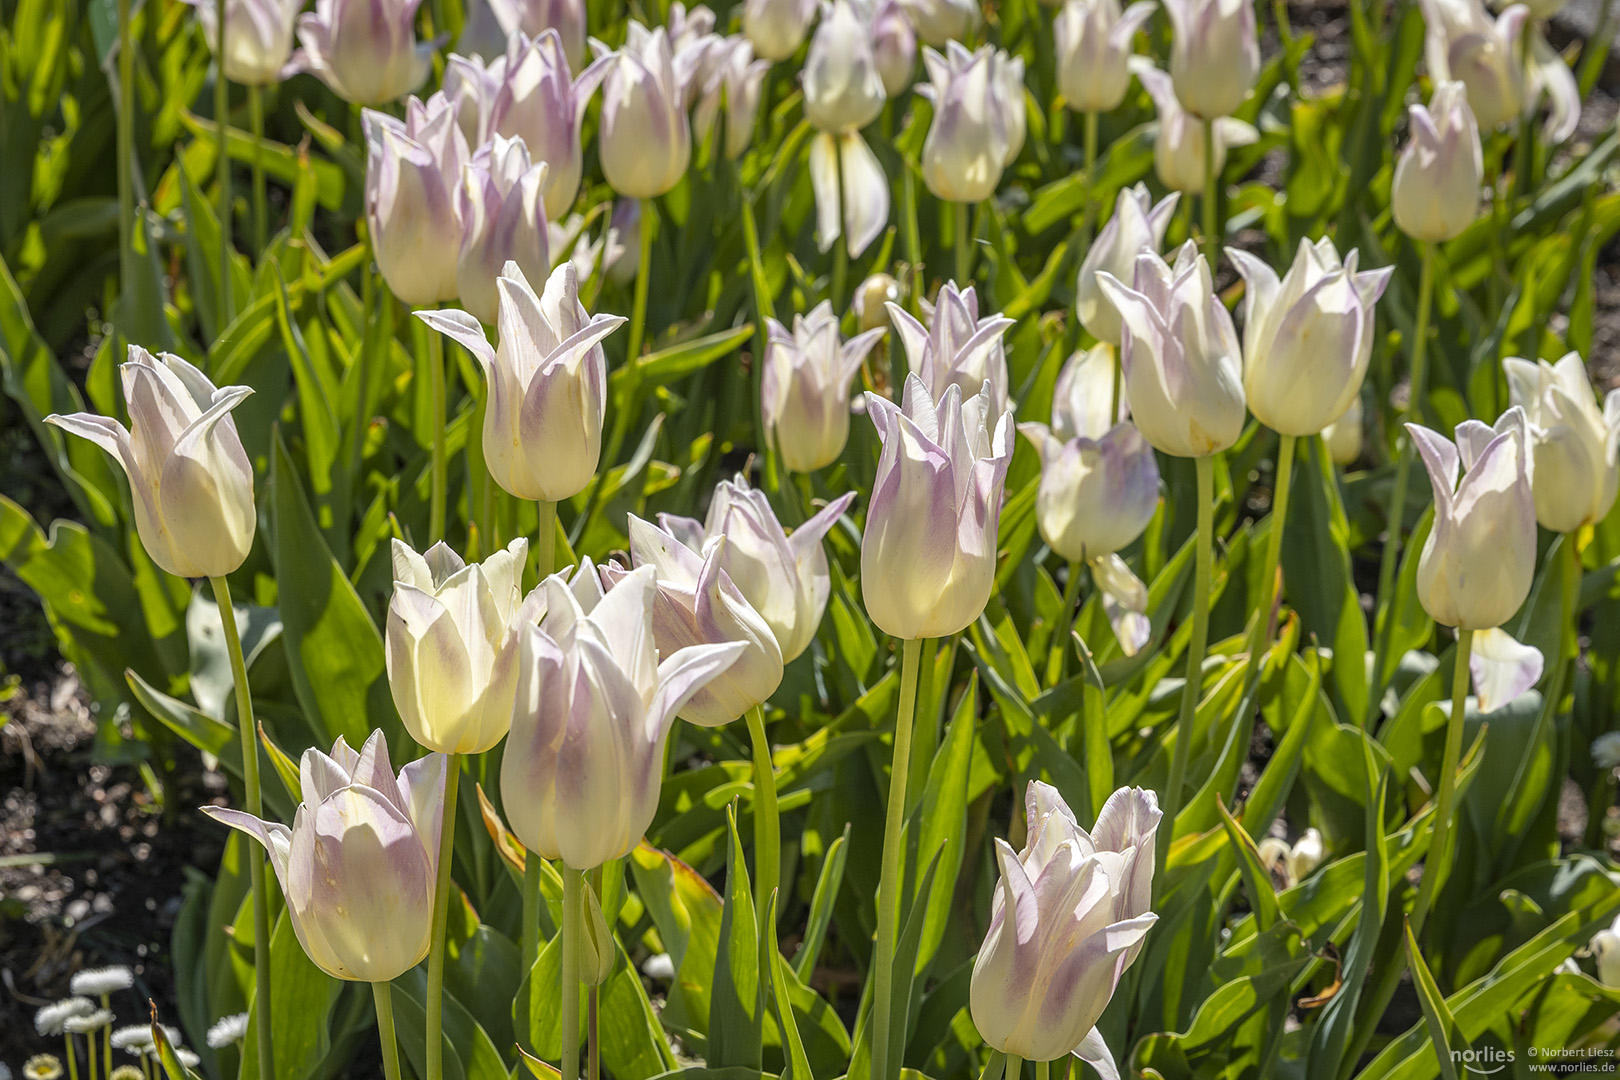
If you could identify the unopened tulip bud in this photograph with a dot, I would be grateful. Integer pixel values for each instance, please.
(258, 37)
(1214, 54)
(359, 864)
(870, 298)
(1305, 856)
(1094, 40)
(190, 479)
(966, 148)
(1344, 436)
(547, 384)
(412, 172)
(957, 348)
(1574, 445)
(365, 50)
(600, 950)
(1178, 151)
(541, 102)
(645, 141)
(1605, 949)
(777, 27)
(805, 387)
(1136, 226)
(503, 220)
(894, 47)
(1435, 192)
(942, 21)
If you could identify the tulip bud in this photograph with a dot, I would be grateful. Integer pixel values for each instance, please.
(1069, 916)
(1214, 54)
(1477, 565)
(503, 220)
(359, 864)
(452, 644)
(929, 556)
(1007, 74)
(547, 384)
(699, 604)
(1305, 856)
(1435, 192)
(540, 102)
(1343, 436)
(600, 951)
(1178, 151)
(941, 21)
(735, 78)
(957, 348)
(1505, 63)
(1183, 368)
(365, 50)
(646, 143)
(1574, 446)
(1307, 338)
(412, 172)
(804, 388)
(894, 47)
(190, 479)
(967, 143)
(582, 768)
(875, 292)
(842, 89)
(1137, 226)
(258, 37)
(777, 27)
(1605, 949)
(1094, 45)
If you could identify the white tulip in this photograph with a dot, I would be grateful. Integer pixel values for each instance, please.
(1574, 446)
(1136, 226)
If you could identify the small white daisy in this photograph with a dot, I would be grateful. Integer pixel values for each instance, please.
(89, 1022)
(137, 1039)
(187, 1058)
(42, 1067)
(1606, 750)
(99, 982)
(123, 1072)
(227, 1029)
(49, 1020)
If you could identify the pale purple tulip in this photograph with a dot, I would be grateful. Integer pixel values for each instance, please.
(1505, 63)
(894, 47)
(471, 85)
(1574, 445)
(258, 37)
(957, 348)
(843, 92)
(542, 103)
(1094, 42)
(969, 139)
(1136, 226)
(1178, 150)
(503, 219)
(498, 20)
(365, 50)
(804, 388)
(646, 141)
(777, 27)
(732, 78)
(1435, 192)
(1214, 54)
(412, 172)
(941, 21)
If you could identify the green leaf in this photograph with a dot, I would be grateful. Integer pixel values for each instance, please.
(301, 1000)
(821, 905)
(1442, 1025)
(773, 975)
(736, 1015)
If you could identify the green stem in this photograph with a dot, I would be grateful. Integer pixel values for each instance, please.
(1209, 203)
(1384, 623)
(839, 283)
(573, 917)
(1091, 125)
(441, 912)
(638, 309)
(439, 474)
(1434, 865)
(1043, 1070)
(545, 538)
(1269, 586)
(255, 806)
(126, 129)
(1059, 654)
(767, 827)
(106, 1034)
(890, 885)
(1196, 645)
(1015, 1067)
(261, 212)
(382, 994)
(964, 244)
(222, 118)
(90, 1049)
(530, 943)
(72, 1056)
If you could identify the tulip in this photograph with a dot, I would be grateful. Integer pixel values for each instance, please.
(1007, 72)
(941, 21)
(1069, 916)
(957, 348)
(1574, 446)
(1505, 63)
(503, 220)
(1180, 355)
(875, 292)
(532, 18)
(1476, 566)
(699, 604)
(412, 172)
(646, 143)
(843, 92)
(1307, 338)
(191, 480)
(365, 50)
(1605, 949)
(970, 140)
(1295, 863)
(540, 102)
(894, 47)
(258, 37)
(1214, 54)
(929, 556)
(359, 863)
(804, 389)
(547, 384)
(1178, 152)
(735, 78)
(776, 28)
(452, 644)
(784, 578)
(471, 86)
(483, 33)
(1343, 436)
(1435, 192)
(1137, 226)
(1093, 40)
(582, 768)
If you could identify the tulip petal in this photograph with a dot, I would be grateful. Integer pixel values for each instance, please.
(463, 329)
(1125, 599)
(682, 674)
(824, 182)
(866, 193)
(276, 837)
(421, 786)
(1502, 668)
(1094, 1052)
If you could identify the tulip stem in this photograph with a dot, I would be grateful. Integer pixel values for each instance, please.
(441, 912)
(439, 467)
(840, 276)
(1090, 216)
(890, 885)
(1059, 654)
(530, 938)
(1434, 865)
(1196, 645)
(383, 995)
(261, 214)
(255, 806)
(638, 309)
(545, 538)
(1015, 1067)
(1043, 1070)
(1212, 250)
(1270, 588)
(222, 119)
(1384, 622)
(964, 244)
(126, 131)
(767, 826)
(573, 901)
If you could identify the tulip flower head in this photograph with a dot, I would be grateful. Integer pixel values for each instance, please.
(1178, 151)
(776, 28)
(957, 348)
(547, 383)
(540, 101)
(365, 50)
(1605, 949)
(1435, 192)
(1094, 46)
(1505, 64)
(941, 21)
(582, 768)
(471, 86)
(733, 78)
(805, 387)
(1183, 367)
(532, 18)
(413, 170)
(843, 92)
(1293, 863)
(1069, 916)
(894, 46)
(503, 220)
(929, 556)
(258, 37)
(646, 142)
(870, 299)
(191, 479)
(359, 863)
(1136, 226)
(1214, 54)
(1308, 337)
(970, 137)
(1574, 445)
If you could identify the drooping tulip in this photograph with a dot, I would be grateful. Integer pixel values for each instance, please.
(542, 103)
(1136, 226)
(957, 347)
(966, 148)
(1183, 367)
(547, 383)
(365, 50)
(258, 37)
(894, 46)
(583, 765)
(1344, 436)
(1505, 63)
(503, 220)
(777, 27)
(452, 644)
(929, 555)
(1093, 40)
(843, 92)
(733, 79)
(1435, 192)
(1214, 54)
(358, 865)
(1308, 337)
(940, 21)
(412, 172)
(1574, 445)
(699, 604)
(1178, 151)
(804, 388)
(645, 141)
(191, 480)
(1069, 916)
